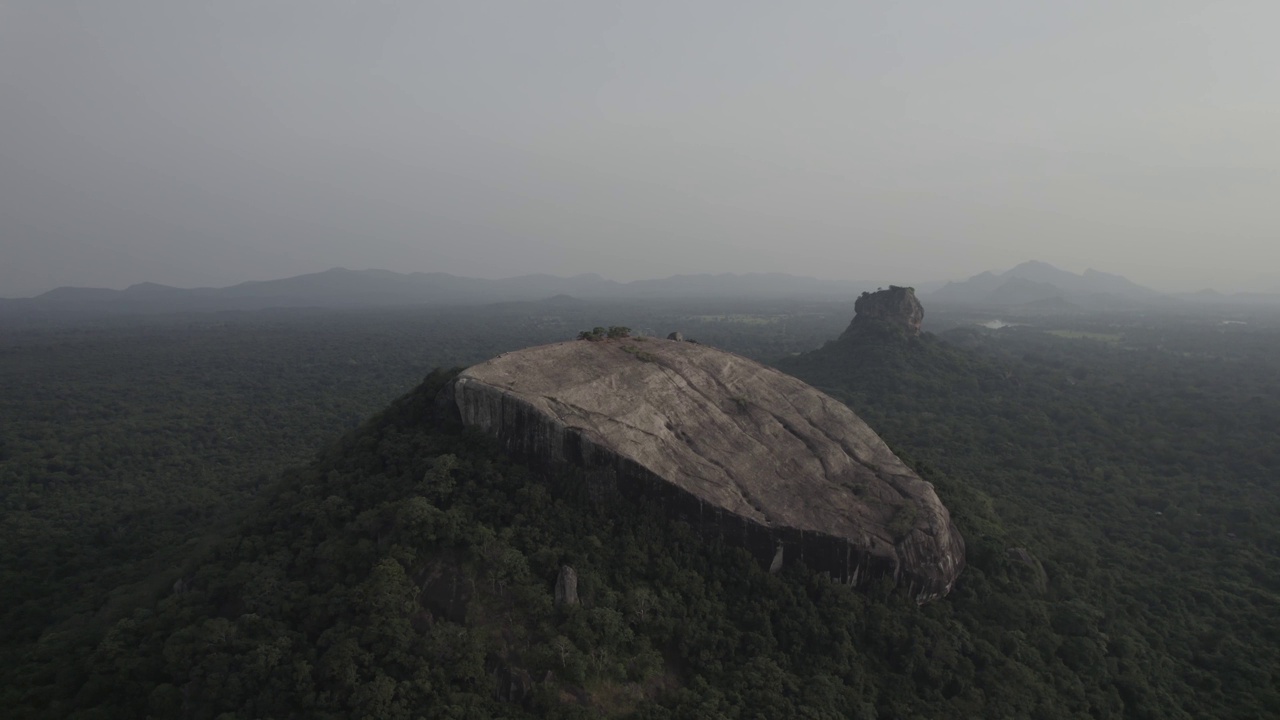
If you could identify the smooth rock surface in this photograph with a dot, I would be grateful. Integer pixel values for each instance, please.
(755, 454)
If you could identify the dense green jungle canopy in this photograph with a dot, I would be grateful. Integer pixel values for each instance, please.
(158, 563)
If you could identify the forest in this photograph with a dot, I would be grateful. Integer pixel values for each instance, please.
(253, 515)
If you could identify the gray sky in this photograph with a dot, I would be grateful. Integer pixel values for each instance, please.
(189, 142)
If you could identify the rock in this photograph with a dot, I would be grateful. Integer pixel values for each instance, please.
(677, 336)
(1022, 556)
(567, 587)
(443, 589)
(511, 684)
(778, 557)
(895, 309)
(735, 448)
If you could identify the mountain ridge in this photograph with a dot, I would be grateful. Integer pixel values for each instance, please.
(341, 287)
(1038, 282)
(1029, 286)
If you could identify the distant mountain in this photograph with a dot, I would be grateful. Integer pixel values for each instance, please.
(1213, 297)
(340, 287)
(1037, 284)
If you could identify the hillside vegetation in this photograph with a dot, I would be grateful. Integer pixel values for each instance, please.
(1141, 476)
(1115, 497)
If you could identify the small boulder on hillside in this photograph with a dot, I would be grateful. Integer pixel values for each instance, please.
(567, 587)
(1022, 556)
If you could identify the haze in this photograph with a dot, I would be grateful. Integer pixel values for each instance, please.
(210, 143)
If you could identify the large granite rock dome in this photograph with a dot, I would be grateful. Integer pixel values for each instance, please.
(735, 447)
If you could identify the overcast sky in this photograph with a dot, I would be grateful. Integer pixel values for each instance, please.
(193, 143)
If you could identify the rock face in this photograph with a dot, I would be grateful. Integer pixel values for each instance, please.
(896, 308)
(567, 587)
(736, 448)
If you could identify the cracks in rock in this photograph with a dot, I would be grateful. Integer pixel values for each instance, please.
(813, 449)
(852, 453)
(580, 411)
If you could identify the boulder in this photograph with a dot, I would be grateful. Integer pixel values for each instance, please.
(567, 587)
(736, 448)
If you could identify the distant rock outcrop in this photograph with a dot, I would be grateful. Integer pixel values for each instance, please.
(895, 309)
(736, 448)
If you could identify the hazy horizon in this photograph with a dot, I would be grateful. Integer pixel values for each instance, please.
(929, 285)
(211, 144)
(863, 281)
